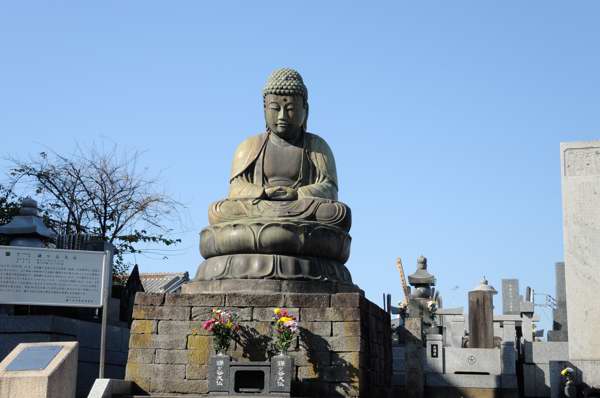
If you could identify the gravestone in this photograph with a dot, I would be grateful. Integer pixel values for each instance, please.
(580, 164)
(580, 173)
(453, 323)
(560, 327)
(511, 301)
(434, 353)
(40, 370)
(481, 316)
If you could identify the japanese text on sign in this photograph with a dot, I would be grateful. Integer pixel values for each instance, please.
(36, 276)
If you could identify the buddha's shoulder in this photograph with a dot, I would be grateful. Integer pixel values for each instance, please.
(317, 143)
(252, 143)
(246, 153)
(253, 139)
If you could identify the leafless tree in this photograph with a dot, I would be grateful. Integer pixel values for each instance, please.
(101, 193)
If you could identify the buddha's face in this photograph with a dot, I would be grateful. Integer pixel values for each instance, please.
(285, 115)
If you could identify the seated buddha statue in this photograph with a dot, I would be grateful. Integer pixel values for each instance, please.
(281, 219)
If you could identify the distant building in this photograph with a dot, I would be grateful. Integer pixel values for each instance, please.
(163, 282)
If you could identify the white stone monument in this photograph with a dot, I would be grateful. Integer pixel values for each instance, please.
(580, 173)
(40, 370)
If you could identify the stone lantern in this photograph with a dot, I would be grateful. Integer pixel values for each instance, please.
(421, 281)
(27, 229)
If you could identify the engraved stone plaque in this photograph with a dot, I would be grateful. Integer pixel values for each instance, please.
(510, 297)
(37, 276)
(281, 373)
(583, 161)
(434, 350)
(218, 373)
(34, 358)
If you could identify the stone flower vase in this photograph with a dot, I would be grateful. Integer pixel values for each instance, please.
(282, 366)
(221, 344)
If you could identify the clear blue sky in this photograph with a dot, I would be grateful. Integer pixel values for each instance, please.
(445, 117)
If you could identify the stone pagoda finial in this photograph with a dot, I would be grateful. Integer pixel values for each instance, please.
(485, 287)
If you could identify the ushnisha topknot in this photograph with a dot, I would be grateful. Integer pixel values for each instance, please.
(285, 81)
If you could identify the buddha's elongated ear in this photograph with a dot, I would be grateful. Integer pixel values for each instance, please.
(305, 123)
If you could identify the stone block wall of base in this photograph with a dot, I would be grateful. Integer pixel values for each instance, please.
(343, 349)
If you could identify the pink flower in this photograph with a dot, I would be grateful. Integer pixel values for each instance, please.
(292, 325)
(208, 325)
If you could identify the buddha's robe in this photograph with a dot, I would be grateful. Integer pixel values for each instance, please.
(247, 180)
(315, 181)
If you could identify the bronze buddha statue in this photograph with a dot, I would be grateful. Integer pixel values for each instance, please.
(281, 219)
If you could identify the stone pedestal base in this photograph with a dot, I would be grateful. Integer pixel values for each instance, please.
(57, 379)
(344, 347)
(272, 266)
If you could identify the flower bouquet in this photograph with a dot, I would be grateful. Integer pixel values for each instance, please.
(224, 327)
(285, 327)
(569, 386)
(403, 309)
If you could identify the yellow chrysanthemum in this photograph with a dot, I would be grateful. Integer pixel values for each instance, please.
(277, 311)
(284, 319)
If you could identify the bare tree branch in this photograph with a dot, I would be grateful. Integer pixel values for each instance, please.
(101, 193)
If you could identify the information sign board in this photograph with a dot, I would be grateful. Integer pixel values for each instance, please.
(35, 276)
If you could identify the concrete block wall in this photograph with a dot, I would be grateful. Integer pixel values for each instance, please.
(536, 368)
(344, 347)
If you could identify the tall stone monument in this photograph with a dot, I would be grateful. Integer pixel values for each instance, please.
(560, 329)
(580, 173)
(481, 316)
(280, 238)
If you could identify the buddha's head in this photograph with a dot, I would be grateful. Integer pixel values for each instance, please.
(286, 104)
